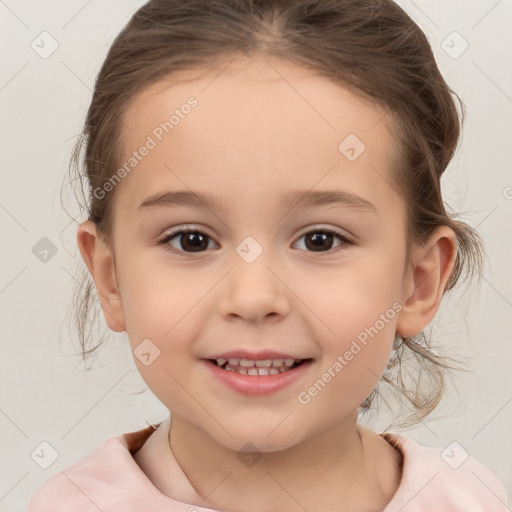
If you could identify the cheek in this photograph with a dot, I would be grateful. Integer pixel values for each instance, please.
(352, 298)
(351, 366)
(158, 305)
(162, 325)
(356, 324)
(162, 320)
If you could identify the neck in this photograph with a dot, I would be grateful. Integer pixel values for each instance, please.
(330, 469)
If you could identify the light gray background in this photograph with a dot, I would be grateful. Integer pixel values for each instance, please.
(45, 396)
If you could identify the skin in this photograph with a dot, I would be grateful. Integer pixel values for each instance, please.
(252, 138)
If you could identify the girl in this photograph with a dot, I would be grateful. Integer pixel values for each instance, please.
(225, 143)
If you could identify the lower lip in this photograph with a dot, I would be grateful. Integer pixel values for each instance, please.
(257, 384)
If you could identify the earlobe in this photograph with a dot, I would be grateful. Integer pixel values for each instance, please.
(100, 264)
(423, 289)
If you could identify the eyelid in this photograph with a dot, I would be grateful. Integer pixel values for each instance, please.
(183, 229)
(330, 229)
(346, 240)
(179, 230)
(187, 228)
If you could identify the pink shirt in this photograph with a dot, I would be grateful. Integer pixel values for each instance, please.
(109, 480)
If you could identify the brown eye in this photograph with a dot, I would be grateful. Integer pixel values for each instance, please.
(322, 240)
(319, 241)
(193, 241)
(188, 241)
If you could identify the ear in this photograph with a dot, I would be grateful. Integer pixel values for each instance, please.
(100, 263)
(431, 267)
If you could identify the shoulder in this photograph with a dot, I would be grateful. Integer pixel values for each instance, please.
(449, 478)
(100, 477)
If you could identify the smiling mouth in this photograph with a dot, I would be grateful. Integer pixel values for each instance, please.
(257, 367)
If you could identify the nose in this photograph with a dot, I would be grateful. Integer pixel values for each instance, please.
(254, 291)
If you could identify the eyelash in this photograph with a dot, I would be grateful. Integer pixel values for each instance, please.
(184, 231)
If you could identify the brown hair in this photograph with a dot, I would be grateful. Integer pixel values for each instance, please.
(371, 47)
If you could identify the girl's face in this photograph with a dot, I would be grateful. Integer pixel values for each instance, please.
(262, 277)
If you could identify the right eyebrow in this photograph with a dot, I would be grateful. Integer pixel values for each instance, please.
(173, 198)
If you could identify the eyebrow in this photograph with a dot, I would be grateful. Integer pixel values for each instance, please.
(292, 199)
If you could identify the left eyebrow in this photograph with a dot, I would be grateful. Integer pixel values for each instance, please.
(309, 198)
(292, 199)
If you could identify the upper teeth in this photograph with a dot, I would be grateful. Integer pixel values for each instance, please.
(256, 367)
(251, 363)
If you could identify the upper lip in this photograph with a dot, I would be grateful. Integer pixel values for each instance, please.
(256, 356)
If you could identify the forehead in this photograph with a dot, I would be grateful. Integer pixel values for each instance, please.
(253, 122)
